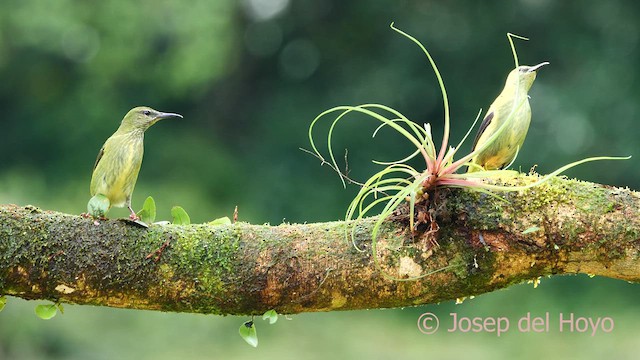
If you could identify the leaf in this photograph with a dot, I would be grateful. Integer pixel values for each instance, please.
(46, 312)
(148, 212)
(530, 230)
(3, 302)
(248, 332)
(272, 315)
(180, 217)
(221, 221)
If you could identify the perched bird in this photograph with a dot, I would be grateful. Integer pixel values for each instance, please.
(511, 105)
(116, 169)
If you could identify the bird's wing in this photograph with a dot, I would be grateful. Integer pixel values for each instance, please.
(485, 123)
(99, 157)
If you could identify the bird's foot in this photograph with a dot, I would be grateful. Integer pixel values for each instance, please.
(134, 217)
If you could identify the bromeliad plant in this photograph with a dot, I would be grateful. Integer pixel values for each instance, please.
(398, 182)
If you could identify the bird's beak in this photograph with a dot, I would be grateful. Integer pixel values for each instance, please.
(167, 115)
(536, 67)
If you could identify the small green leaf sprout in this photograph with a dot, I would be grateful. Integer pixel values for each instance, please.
(48, 311)
(3, 302)
(398, 182)
(248, 330)
(248, 333)
(270, 315)
(148, 212)
(220, 221)
(180, 216)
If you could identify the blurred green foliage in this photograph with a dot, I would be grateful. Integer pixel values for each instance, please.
(249, 76)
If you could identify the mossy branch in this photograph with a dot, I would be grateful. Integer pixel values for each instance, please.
(561, 227)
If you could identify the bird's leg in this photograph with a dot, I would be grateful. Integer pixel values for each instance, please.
(133, 215)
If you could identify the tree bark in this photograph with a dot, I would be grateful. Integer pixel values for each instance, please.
(484, 243)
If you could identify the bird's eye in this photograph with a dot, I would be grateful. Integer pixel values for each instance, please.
(147, 112)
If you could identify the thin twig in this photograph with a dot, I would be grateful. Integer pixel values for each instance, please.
(340, 173)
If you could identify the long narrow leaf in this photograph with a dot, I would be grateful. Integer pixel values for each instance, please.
(443, 91)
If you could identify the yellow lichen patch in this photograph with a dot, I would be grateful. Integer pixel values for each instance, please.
(427, 254)
(535, 281)
(337, 300)
(408, 267)
(81, 282)
(65, 289)
(22, 272)
(166, 271)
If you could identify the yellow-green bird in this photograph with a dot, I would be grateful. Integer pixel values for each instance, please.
(511, 105)
(116, 169)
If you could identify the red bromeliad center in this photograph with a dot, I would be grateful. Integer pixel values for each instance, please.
(430, 181)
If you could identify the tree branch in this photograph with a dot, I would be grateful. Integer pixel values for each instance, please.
(561, 227)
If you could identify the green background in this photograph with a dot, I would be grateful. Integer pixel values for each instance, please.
(249, 77)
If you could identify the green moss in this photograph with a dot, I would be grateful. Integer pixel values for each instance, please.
(207, 256)
(460, 271)
(533, 200)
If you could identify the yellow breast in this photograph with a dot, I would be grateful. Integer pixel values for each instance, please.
(117, 171)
